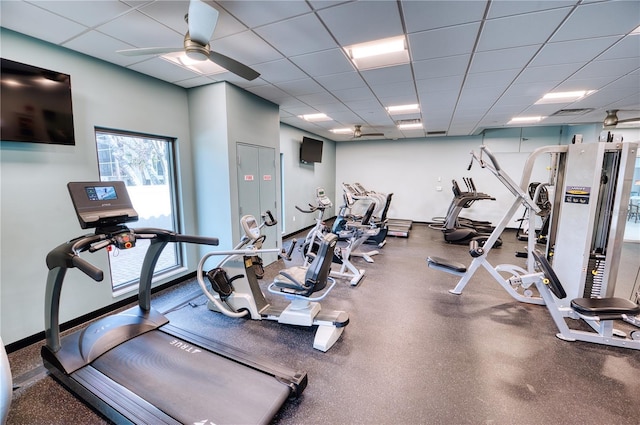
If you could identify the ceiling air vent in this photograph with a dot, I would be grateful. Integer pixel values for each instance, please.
(571, 112)
(436, 133)
(409, 121)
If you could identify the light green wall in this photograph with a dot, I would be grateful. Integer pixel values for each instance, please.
(221, 116)
(301, 180)
(37, 213)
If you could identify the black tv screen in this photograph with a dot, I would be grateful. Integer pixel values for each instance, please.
(35, 105)
(310, 150)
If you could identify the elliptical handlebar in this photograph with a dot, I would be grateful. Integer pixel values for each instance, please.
(312, 209)
(493, 159)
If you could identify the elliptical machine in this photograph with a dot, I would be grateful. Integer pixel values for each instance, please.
(235, 290)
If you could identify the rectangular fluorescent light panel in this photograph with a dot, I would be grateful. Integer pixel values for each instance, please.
(403, 109)
(201, 67)
(564, 97)
(525, 120)
(315, 117)
(410, 126)
(379, 53)
(342, 130)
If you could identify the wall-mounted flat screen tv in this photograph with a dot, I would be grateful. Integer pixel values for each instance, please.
(310, 150)
(35, 105)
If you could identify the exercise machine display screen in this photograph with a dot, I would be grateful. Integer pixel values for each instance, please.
(101, 204)
(101, 193)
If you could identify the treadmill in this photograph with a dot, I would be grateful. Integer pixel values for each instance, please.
(134, 366)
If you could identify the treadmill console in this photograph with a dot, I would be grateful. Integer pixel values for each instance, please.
(101, 204)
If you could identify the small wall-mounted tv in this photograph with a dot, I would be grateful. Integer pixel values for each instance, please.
(310, 150)
(35, 104)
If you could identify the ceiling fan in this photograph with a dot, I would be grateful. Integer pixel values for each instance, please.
(611, 120)
(357, 132)
(201, 19)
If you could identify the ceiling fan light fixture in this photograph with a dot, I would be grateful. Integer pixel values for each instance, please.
(201, 67)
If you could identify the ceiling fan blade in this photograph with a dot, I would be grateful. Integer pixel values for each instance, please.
(150, 51)
(234, 66)
(202, 20)
(372, 134)
(629, 120)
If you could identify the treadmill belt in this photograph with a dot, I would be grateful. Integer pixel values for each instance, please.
(191, 384)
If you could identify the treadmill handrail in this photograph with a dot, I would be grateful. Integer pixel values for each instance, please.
(65, 256)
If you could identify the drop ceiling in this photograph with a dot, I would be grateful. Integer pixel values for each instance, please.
(473, 64)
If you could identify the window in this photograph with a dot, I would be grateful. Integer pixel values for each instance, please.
(145, 163)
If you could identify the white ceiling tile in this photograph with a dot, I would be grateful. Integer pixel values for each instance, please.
(441, 67)
(102, 46)
(255, 12)
(327, 62)
(279, 71)
(321, 99)
(270, 92)
(502, 78)
(523, 30)
(549, 73)
(357, 93)
(628, 47)
(496, 60)
(573, 51)
(194, 82)
(444, 42)
(170, 13)
(299, 35)
(426, 15)
(500, 9)
(431, 85)
(576, 84)
(599, 20)
(36, 22)
(391, 91)
(139, 30)
(163, 70)
(362, 21)
(345, 80)
(388, 75)
(301, 87)
(245, 47)
(86, 13)
(604, 68)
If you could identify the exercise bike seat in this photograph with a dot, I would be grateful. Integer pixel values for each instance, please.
(605, 308)
(304, 281)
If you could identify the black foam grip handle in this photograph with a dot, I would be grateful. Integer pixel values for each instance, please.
(202, 240)
(87, 268)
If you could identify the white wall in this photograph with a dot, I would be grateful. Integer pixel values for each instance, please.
(302, 180)
(37, 213)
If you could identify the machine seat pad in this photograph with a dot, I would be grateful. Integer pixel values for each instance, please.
(447, 264)
(291, 278)
(605, 308)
